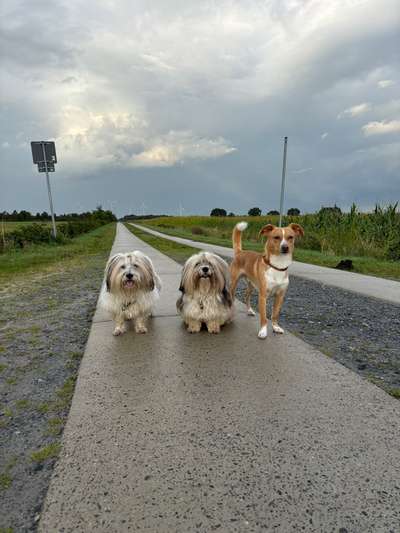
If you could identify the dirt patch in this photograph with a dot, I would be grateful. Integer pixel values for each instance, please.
(44, 325)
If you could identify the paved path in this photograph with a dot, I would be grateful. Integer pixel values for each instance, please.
(172, 432)
(368, 285)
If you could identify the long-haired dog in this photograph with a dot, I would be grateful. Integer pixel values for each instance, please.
(131, 289)
(205, 295)
(267, 272)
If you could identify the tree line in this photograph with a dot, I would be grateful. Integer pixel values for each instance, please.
(253, 212)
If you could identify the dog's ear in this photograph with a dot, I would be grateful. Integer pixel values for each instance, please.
(299, 231)
(179, 303)
(226, 297)
(109, 268)
(266, 230)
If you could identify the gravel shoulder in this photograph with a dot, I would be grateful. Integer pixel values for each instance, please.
(44, 325)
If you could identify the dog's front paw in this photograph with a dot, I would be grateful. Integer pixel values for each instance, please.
(277, 329)
(118, 331)
(141, 329)
(262, 334)
(213, 327)
(251, 312)
(194, 327)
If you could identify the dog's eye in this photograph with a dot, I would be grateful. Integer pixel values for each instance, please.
(277, 238)
(136, 265)
(122, 267)
(290, 238)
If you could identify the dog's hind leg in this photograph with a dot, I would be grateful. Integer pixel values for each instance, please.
(249, 292)
(276, 309)
(235, 275)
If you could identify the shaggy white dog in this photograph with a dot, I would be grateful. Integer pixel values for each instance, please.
(132, 286)
(205, 293)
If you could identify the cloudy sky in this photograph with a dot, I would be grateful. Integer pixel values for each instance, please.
(168, 105)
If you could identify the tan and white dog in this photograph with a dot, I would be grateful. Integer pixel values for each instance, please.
(132, 287)
(205, 295)
(267, 272)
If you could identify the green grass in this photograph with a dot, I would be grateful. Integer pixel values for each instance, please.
(41, 257)
(221, 235)
(11, 225)
(47, 452)
(174, 250)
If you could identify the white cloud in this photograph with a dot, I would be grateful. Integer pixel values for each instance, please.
(127, 140)
(381, 128)
(324, 135)
(355, 110)
(383, 84)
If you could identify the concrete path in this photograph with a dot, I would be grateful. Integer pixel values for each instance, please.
(368, 285)
(172, 432)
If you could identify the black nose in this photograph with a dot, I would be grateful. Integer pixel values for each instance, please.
(284, 249)
(129, 275)
(204, 269)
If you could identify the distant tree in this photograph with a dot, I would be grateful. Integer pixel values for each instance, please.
(293, 212)
(332, 210)
(273, 212)
(218, 212)
(254, 212)
(231, 214)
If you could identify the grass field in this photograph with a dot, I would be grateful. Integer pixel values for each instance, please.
(11, 226)
(38, 258)
(217, 230)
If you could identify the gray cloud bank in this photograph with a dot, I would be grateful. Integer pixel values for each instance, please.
(186, 103)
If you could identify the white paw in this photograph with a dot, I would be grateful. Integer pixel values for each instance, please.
(251, 312)
(277, 329)
(118, 331)
(141, 329)
(263, 332)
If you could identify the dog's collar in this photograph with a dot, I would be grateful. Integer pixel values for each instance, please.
(125, 306)
(266, 261)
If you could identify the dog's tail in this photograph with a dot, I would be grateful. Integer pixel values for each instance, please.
(237, 236)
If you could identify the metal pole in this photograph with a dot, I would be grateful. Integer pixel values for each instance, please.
(283, 181)
(49, 192)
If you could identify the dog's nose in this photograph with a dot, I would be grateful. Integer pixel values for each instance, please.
(284, 248)
(129, 275)
(204, 269)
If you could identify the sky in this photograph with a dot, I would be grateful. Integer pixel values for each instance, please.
(180, 106)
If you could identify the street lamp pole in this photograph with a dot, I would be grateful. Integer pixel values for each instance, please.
(283, 181)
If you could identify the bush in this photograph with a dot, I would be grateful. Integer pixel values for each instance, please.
(309, 242)
(198, 230)
(254, 212)
(42, 233)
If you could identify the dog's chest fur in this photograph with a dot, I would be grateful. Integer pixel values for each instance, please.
(276, 280)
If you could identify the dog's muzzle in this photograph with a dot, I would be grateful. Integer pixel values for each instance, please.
(129, 281)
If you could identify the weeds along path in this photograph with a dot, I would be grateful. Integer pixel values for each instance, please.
(44, 324)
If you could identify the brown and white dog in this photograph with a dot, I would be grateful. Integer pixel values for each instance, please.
(205, 295)
(132, 287)
(267, 272)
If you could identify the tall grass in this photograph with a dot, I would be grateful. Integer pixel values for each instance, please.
(375, 234)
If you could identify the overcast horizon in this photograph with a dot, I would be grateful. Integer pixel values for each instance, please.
(182, 106)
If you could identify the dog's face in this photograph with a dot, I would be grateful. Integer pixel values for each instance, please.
(206, 272)
(280, 241)
(129, 272)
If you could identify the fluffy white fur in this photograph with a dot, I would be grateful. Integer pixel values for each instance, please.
(205, 293)
(131, 288)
